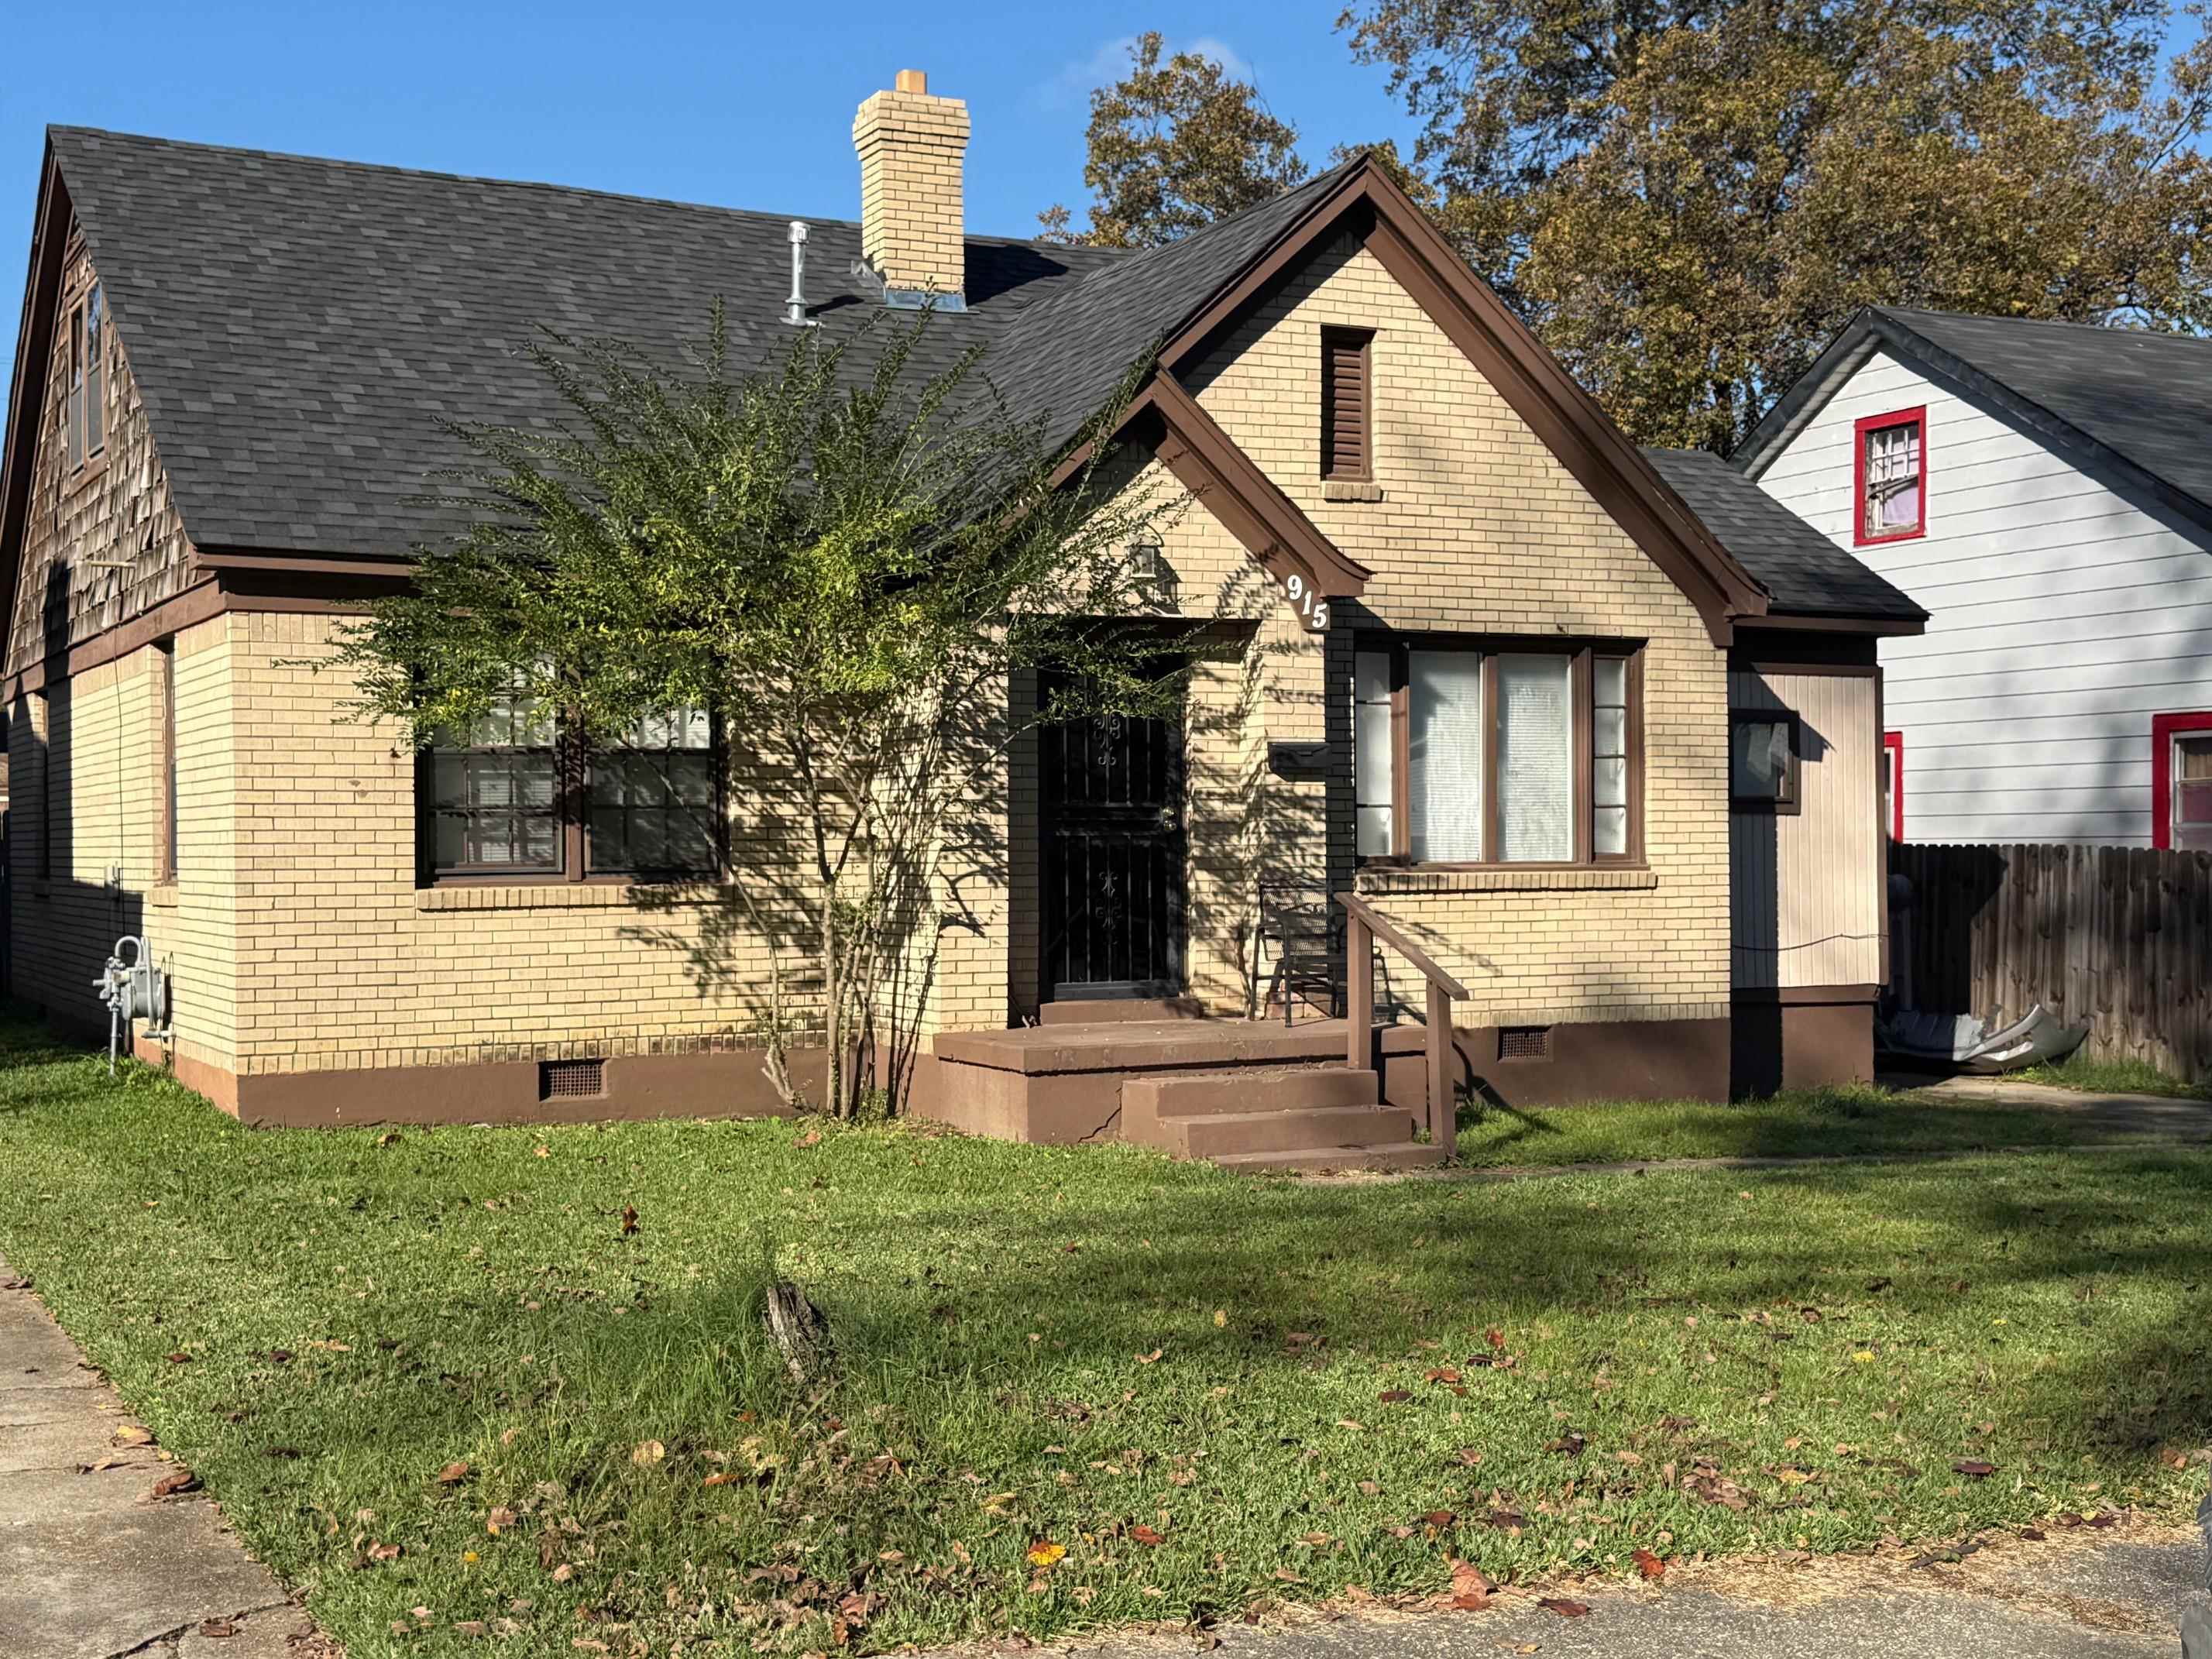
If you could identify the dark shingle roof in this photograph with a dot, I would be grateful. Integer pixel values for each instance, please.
(299, 327)
(2134, 399)
(1806, 573)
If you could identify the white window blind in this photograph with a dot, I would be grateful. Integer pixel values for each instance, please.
(1445, 755)
(1371, 752)
(1535, 759)
(1758, 766)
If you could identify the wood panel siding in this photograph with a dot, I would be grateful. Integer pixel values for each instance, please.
(1807, 885)
(103, 542)
(2114, 936)
(2064, 615)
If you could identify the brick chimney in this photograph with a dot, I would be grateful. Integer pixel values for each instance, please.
(911, 219)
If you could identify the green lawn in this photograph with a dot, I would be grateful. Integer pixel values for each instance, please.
(1843, 1122)
(1285, 1384)
(2114, 1077)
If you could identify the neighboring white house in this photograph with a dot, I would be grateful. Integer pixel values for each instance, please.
(2045, 491)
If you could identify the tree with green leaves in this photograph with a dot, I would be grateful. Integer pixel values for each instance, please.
(1687, 198)
(845, 564)
(1175, 145)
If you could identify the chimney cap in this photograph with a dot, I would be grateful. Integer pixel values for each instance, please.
(912, 80)
(799, 230)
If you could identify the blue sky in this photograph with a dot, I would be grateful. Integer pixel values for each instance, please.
(746, 104)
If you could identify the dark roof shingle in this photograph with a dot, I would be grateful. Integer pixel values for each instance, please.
(1806, 573)
(299, 328)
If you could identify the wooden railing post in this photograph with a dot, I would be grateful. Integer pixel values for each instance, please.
(1444, 1107)
(1363, 927)
(1359, 995)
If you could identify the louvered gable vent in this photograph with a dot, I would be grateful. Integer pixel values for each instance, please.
(1346, 388)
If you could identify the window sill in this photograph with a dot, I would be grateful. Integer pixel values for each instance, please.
(1505, 879)
(569, 896)
(1349, 489)
(163, 895)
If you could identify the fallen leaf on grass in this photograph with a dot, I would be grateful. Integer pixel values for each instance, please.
(175, 1481)
(1152, 1359)
(1973, 1468)
(1044, 1553)
(1145, 1535)
(629, 1220)
(812, 1137)
(383, 1552)
(501, 1516)
(1648, 1564)
(1564, 1607)
(1495, 1337)
(647, 1452)
(2173, 1459)
(563, 1573)
(1443, 1373)
(1394, 1396)
(452, 1472)
(1440, 1519)
(180, 1357)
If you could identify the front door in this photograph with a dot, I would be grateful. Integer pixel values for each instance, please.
(1113, 865)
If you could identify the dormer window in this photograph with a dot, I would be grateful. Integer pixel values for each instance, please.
(84, 422)
(1892, 477)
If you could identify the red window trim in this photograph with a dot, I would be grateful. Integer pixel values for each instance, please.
(1893, 744)
(2163, 730)
(1859, 431)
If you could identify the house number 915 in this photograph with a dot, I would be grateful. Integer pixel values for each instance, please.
(1312, 609)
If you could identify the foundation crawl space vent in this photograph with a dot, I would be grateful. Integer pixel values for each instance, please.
(1524, 1043)
(570, 1080)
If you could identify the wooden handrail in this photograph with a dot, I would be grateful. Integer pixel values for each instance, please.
(1405, 947)
(1365, 927)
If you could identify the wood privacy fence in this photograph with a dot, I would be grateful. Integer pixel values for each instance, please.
(2118, 936)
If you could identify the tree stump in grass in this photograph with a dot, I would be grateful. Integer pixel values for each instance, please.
(800, 1332)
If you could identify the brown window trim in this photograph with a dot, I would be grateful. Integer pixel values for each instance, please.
(70, 329)
(1789, 804)
(1584, 652)
(571, 811)
(1361, 340)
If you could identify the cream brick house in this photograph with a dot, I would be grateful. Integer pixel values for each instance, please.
(1478, 663)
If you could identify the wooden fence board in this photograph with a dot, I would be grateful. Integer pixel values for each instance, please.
(2119, 936)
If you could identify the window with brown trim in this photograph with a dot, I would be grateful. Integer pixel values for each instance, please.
(1502, 751)
(1763, 760)
(83, 410)
(518, 796)
(1347, 391)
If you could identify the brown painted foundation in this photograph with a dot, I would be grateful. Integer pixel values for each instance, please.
(1618, 1059)
(721, 1083)
(1808, 1039)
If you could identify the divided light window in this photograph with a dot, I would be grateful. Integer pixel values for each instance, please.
(517, 795)
(1890, 476)
(1484, 753)
(84, 421)
(2181, 780)
(1347, 400)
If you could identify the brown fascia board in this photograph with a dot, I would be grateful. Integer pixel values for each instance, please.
(33, 339)
(1208, 463)
(1561, 413)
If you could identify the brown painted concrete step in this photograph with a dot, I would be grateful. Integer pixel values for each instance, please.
(1222, 1134)
(1402, 1156)
(1248, 1088)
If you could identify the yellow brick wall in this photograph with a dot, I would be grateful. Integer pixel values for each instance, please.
(95, 789)
(343, 962)
(911, 214)
(1479, 529)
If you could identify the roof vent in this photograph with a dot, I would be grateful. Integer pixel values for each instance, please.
(795, 308)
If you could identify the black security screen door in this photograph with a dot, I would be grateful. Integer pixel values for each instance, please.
(1112, 802)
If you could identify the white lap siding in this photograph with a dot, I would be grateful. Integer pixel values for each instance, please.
(2063, 617)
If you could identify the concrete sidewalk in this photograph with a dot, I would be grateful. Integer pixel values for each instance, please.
(92, 1566)
(2082, 1596)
